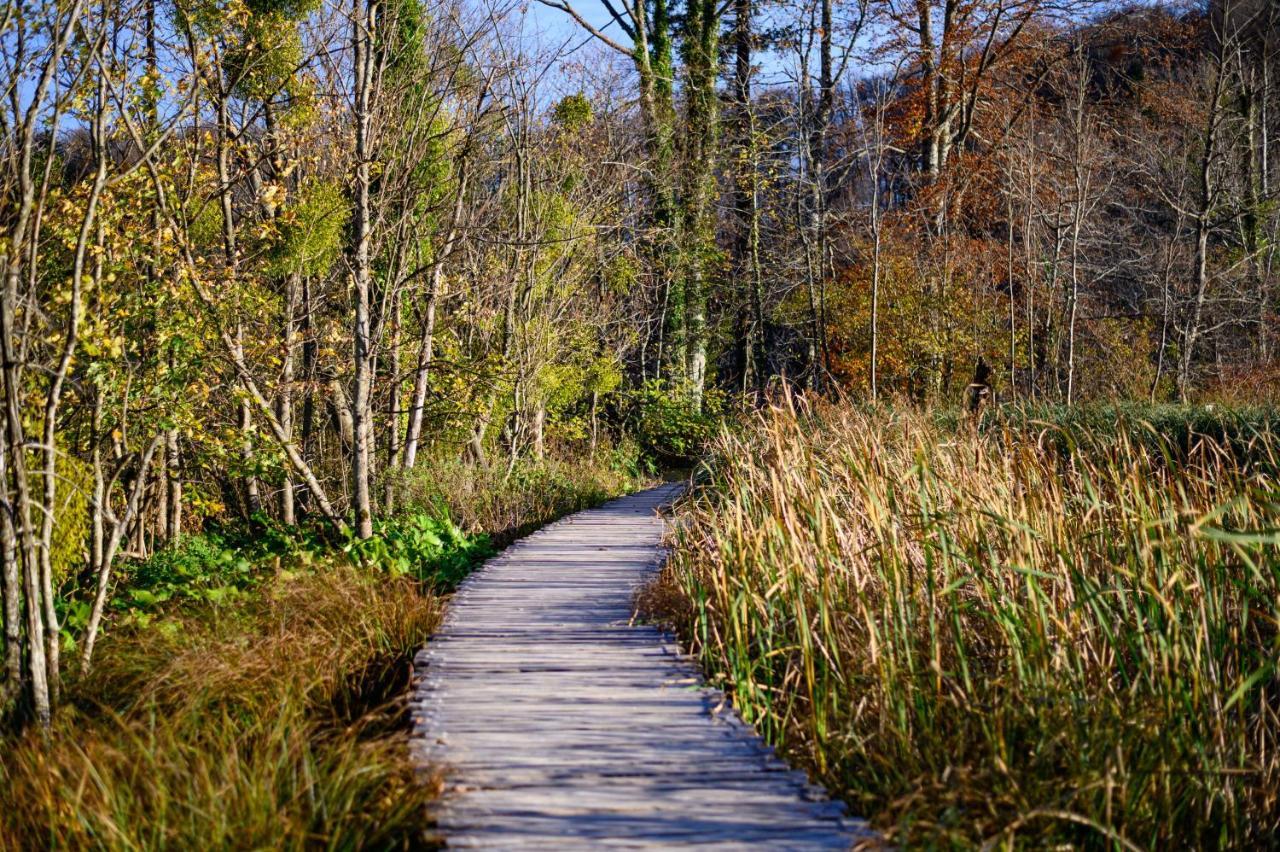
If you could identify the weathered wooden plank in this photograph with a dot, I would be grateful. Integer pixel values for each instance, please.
(556, 723)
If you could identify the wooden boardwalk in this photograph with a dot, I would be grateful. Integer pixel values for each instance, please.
(560, 725)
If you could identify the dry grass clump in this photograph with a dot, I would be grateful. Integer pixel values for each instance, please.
(976, 641)
(273, 723)
(510, 502)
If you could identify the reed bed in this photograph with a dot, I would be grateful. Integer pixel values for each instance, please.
(980, 641)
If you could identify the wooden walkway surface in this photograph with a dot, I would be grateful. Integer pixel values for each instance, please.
(560, 725)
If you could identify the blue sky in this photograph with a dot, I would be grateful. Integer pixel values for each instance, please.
(556, 27)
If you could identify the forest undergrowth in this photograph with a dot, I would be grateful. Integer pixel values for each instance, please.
(251, 689)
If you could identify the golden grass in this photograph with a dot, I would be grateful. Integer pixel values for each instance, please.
(508, 503)
(980, 641)
(276, 723)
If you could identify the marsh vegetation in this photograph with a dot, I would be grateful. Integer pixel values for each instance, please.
(1049, 626)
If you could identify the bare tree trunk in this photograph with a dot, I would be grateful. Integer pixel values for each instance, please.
(1053, 331)
(225, 136)
(1250, 178)
(818, 158)
(1166, 304)
(118, 527)
(364, 19)
(22, 234)
(172, 486)
(1081, 184)
(539, 430)
(1206, 201)
(171, 515)
(747, 204)
(1073, 305)
(288, 509)
(393, 408)
(309, 379)
(422, 373)
(98, 500)
(475, 444)
(20, 509)
(595, 422)
(253, 491)
(1191, 332)
(12, 590)
(53, 397)
(1165, 313)
(426, 345)
(929, 155)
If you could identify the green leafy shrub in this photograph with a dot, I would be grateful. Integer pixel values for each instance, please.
(228, 561)
(429, 549)
(628, 459)
(669, 422)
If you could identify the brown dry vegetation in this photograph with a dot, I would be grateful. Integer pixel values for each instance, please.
(507, 503)
(275, 723)
(1026, 635)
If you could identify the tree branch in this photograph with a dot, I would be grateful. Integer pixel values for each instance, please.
(573, 13)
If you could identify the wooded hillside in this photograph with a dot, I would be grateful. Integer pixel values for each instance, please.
(268, 257)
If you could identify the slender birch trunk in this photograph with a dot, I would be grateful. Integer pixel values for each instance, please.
(364, 21)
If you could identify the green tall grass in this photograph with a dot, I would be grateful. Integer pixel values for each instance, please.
(979, 639)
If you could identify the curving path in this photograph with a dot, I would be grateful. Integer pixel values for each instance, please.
(560, 725)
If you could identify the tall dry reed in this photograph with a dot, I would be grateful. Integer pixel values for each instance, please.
(978, 639)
